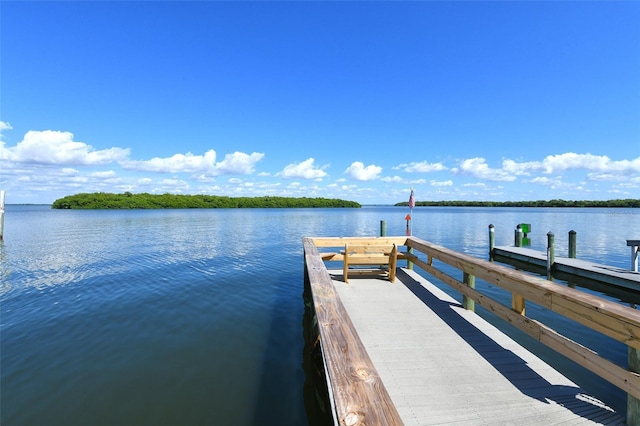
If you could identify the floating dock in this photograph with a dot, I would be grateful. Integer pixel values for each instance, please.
(404, 352)
(576, 268)
(442, 364)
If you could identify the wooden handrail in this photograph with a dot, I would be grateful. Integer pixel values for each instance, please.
(358, 394)
(612, 319)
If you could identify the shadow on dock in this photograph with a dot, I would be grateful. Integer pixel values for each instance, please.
(511, 366)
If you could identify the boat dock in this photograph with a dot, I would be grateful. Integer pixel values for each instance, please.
(570, 267)
(404, 352)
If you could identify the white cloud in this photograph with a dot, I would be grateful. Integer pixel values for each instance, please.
(303, 170)
(177, 163)
(58, 148)
(69, 171)
(104, 175)
(358, 171)
(441, 183)
(236, 163)
(543, 180)
(392, 179)
(572, 161)
(603, 168)
(421, 167)
(478, 167)
(4, 126)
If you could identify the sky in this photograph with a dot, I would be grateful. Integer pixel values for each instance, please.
(357, 100)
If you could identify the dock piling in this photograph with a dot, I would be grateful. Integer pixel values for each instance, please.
(518, 236)
(635, 250)
(551, 254)
(383, 228)
(572, 244)
(2, 194)
(492, 241)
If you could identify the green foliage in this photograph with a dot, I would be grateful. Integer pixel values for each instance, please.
(539, 203)
(104, 200)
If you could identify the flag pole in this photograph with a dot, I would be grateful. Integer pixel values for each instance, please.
(412, 203)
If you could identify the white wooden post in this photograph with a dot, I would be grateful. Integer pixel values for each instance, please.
(2, 193)
(635, 247)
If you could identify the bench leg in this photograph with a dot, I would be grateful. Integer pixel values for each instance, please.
(393, 263)
(345, 270)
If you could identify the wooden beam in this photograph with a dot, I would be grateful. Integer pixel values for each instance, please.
(359, 396)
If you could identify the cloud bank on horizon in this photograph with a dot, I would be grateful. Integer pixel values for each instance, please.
(53, 162)
(485, 101)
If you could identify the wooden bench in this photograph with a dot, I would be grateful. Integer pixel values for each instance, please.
(370, 255)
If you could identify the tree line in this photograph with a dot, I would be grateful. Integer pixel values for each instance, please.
(629, 202)
(127, 200)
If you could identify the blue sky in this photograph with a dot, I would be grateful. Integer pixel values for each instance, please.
(355, 100)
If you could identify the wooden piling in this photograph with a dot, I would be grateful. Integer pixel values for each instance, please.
(551, 254)
(383, 228)
(572, 244)
(518, 236)
(635, 250)
(2, 195)
(492, 241)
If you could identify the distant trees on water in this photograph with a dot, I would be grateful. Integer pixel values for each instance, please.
(127, 200)
(540, 203)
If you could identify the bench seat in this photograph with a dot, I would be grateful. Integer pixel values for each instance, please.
(370, 255)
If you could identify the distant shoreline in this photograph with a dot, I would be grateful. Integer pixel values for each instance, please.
(619, 203)
(129, 201)
(628, 203)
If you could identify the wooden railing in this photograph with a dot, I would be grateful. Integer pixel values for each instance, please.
(612, 319)
(357, 393)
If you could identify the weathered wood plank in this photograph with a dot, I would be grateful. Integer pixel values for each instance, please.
(359, 395)
(341, 241)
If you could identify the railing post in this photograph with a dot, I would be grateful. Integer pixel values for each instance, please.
(518, 236)
(383, 228)
(468, 303)
(517, 303)
(492, 241)
(633, 404)
(551, 254)
(572, 244)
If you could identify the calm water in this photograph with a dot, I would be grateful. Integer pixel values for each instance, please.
(196, 316)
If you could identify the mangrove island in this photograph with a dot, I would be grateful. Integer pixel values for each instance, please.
(127, 200)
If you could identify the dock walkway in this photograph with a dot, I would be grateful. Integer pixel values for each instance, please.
(442, 364)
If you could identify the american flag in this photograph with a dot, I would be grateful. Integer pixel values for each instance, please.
(412, 202)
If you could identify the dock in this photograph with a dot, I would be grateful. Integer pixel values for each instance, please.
(442, 364)
(570, 267)
(404, 352)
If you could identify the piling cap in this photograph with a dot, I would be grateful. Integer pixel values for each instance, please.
(407, 217)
